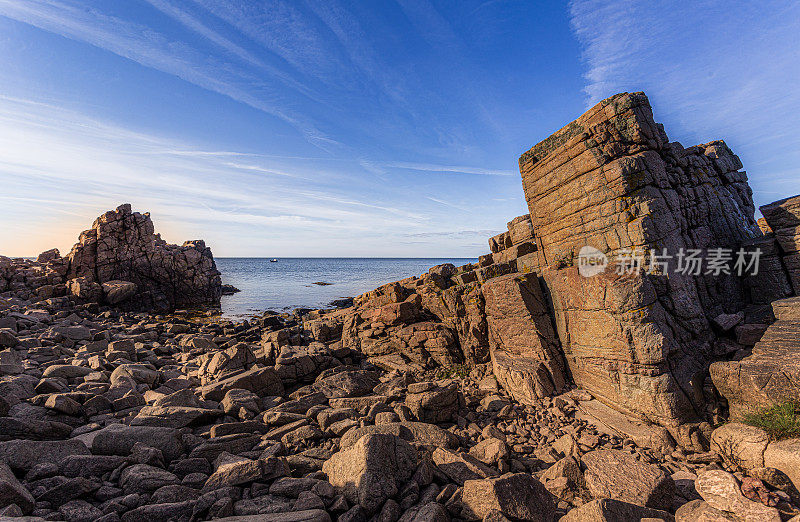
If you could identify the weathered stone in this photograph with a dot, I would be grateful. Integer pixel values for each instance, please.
(174, 416)
(769, 375)
(517, 496)
(89, 466)
(12, 492)
(610, 510)
(490, 451)
(611, 180)
(721, 491)
(417, 433)
(460, 467)
(740, 446)
(261, 381)
(618, 475)
(312, 515)
(181, 510)
(432, 406)
(142, 478)
(526, 357)
(79, 511)
(372, 470)
(564, 479)
(122, 246)
(10, 363)
(784, 455)
(118, 439)
(237, 470)
(701, 511)
(25, 454)
(115, 292)
(350, 383)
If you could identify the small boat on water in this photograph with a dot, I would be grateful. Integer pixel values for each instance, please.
(273, 260)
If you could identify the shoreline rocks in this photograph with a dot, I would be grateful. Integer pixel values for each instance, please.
(512, 388)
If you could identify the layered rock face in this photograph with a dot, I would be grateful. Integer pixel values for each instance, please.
(770, 374)
(612, 180)
(122, 246)
(783, 218)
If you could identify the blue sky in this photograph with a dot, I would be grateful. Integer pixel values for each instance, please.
(357, 128)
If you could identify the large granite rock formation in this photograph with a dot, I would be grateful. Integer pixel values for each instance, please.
(120, 262)
(613, 181)
(640, 341)
(122, 246)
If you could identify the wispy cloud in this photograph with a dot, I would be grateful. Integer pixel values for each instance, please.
(152, 49)
(720, 70)
(43, 162)
(451, 169)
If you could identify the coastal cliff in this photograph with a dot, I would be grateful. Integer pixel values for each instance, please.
(538, 383)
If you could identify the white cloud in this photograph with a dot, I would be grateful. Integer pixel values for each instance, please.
(53, 159)
(715, 70)
(152, 49)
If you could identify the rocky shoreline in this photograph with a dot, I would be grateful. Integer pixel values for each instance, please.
(514, 388)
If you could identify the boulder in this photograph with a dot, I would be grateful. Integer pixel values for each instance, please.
(435, 405)
(460, 467)
(613, 181)
(10, 363)
(701, 511)
(142, 478)
(175, 416)
(119, 439)
(784, 455)
(416, 433)
(720, 490)
(311, 515)
(25, 454)
(610, 510)
(261, 381)
(526, 356)
(223, 364)
(618, 475)
(740, 446)
(348, 383)
(115, 292)
(235, 471)
(12, 492)
(490, 451)
(768, 376)
(372, 470)
(517, 496)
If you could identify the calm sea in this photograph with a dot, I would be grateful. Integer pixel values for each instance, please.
(289, 283)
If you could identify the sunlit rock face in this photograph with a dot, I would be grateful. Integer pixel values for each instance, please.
(613, 181)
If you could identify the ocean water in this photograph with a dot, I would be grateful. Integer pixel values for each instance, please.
(289, 283)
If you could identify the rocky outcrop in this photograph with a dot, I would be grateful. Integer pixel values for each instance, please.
(444, 396)
(770, 375)
(120, 262)
(613, 181)
(122, 247)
